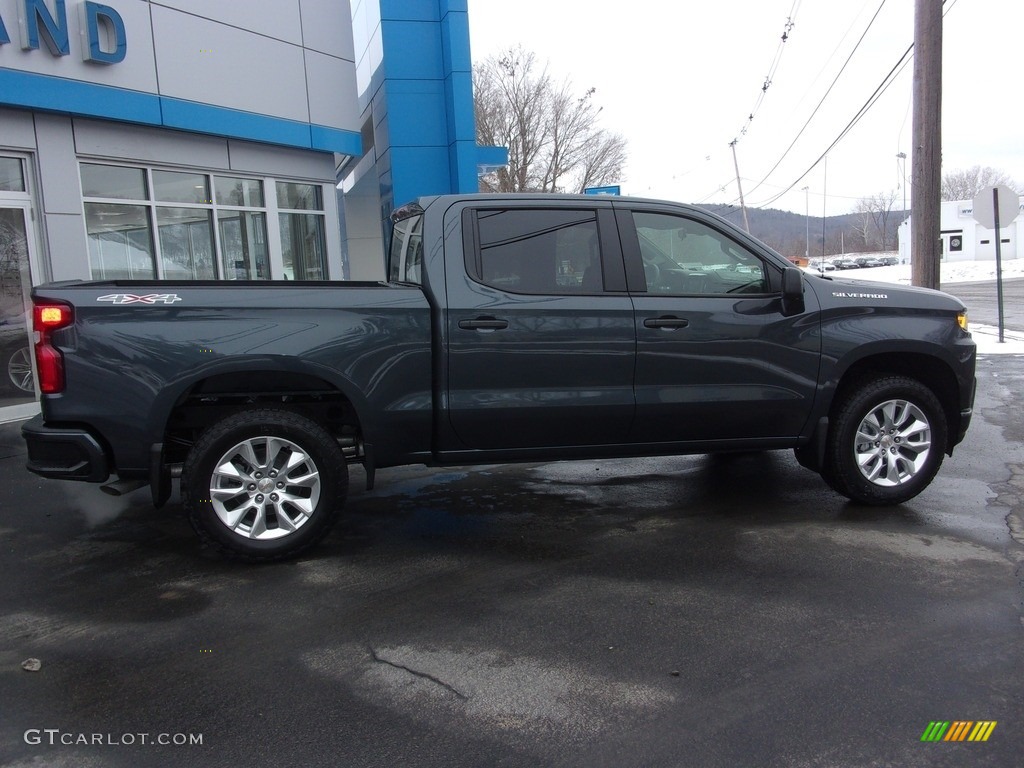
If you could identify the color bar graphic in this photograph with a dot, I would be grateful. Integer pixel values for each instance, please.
(958, 730)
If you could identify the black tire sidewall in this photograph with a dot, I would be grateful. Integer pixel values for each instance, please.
(211, 446)
(841, 470)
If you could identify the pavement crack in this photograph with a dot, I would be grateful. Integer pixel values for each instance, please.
(416, 673)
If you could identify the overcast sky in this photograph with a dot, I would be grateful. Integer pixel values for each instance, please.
(680, 79)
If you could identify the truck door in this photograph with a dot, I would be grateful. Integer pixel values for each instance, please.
(539, 328)
(716, 358)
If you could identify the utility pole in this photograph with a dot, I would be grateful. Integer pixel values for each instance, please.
(927, 153)
(743, 205)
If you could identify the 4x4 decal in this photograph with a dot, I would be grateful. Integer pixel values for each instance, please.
(149, 298)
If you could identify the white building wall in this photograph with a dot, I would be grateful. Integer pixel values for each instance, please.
(964, 239)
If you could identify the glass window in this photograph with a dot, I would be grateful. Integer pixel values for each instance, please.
(243, 244)
(239, 192)
(188, 225)
(12, 175)
(685, 257)
(302, 246)
(120, 242)
(113, 182)
(299, 197)
(406, 261)
(17, 385)
(175, 187)
(186, 243)
(539, 251)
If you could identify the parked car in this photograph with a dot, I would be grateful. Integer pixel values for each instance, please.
(889, 261)
(822, 266)
(845, 264)
(865, 262)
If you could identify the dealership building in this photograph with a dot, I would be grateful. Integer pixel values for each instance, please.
(219, 140)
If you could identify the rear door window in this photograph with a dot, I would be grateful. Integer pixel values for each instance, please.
(537, 251)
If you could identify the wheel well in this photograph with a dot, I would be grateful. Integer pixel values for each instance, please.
(930, 371)
(211, 399)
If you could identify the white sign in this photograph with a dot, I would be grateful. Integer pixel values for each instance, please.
(984, 206)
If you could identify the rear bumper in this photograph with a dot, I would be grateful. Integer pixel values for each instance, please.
(64, 453)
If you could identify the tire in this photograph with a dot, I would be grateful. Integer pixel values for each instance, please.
(886, 441)
(264, 485)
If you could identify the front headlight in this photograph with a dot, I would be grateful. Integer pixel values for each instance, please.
(961, 320)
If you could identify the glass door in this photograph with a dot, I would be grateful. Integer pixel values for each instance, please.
(17, 377)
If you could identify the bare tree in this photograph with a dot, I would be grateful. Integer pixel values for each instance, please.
(875, 214)
(964, 184)
(552, 134)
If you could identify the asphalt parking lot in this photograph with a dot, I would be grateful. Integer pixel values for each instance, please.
(663, 612)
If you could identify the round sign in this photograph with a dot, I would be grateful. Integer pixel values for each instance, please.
(985, 210)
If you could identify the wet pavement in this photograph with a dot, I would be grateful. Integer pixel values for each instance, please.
(702, 611)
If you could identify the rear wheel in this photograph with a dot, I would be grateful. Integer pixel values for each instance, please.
(264, 485)
(886, 441)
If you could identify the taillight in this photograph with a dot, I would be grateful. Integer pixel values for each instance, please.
(47, 318)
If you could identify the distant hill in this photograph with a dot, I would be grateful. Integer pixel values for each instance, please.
(786, 231)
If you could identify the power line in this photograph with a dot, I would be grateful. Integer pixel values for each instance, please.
(888, 80)
(883, 86)
(773, 68)
(822, 100)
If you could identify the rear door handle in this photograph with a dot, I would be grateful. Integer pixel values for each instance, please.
(667, 322)
(483, 324)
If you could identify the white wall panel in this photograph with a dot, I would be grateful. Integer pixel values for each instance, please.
(151, 145)
(332, 92)
(212, 63)
(17, 129)
(249, 157)
(58, 166)
(273, 18)
(327, 27)
(66, 241)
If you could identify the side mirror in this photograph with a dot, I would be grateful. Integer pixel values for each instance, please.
(792, 292)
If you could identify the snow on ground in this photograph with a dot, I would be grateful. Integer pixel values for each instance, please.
(987, 339)
(950, 273)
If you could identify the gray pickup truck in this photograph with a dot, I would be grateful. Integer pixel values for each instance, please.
(510, 328)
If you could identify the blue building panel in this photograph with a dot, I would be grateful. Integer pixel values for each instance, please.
(412, 50)
(328, 139)
(458, 88)
(422, 101)
(419, 171)
(410, 10)
(455, 43)
(463, 166)
(416, 113)
(57, 94)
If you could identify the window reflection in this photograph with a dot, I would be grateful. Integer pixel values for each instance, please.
(186, 243)
(120, 242)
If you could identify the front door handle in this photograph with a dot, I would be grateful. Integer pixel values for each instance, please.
(483, 324)
(667, 322)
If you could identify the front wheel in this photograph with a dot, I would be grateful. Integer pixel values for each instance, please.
(886, 441)
(264, 485)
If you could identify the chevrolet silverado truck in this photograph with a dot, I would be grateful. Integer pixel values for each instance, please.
(509, 328)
